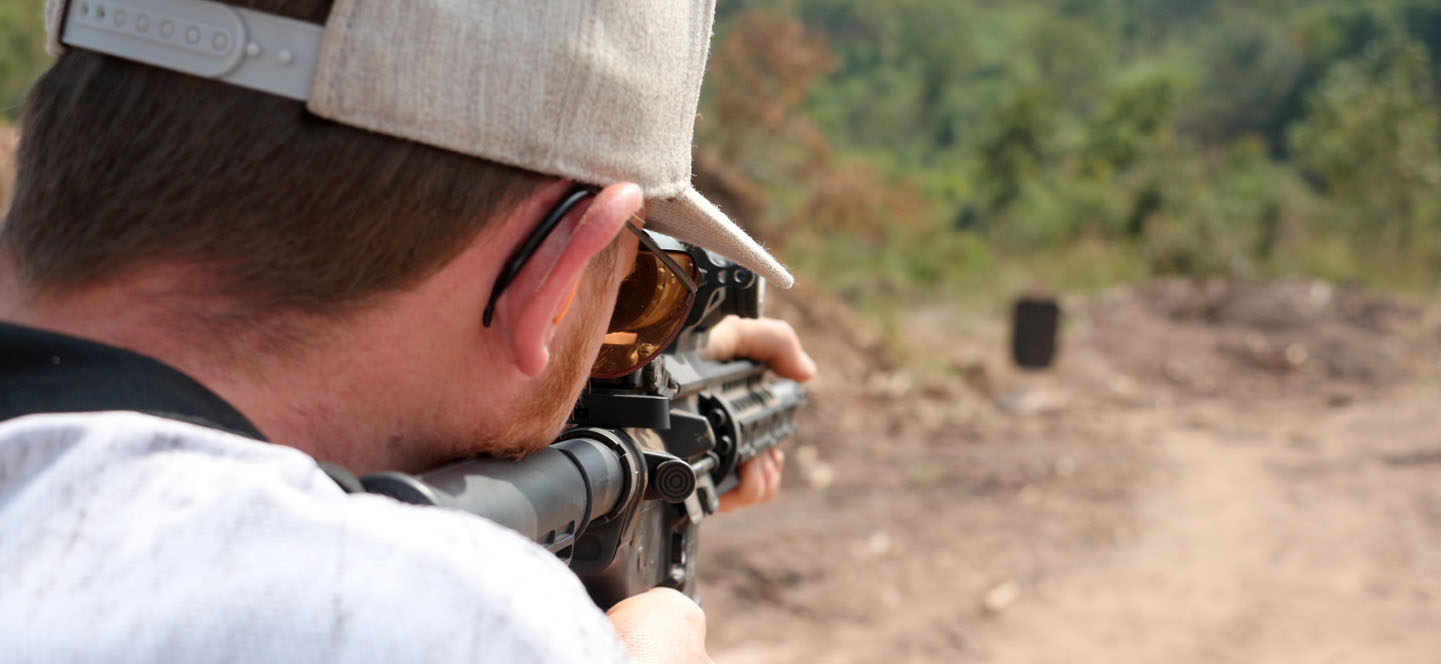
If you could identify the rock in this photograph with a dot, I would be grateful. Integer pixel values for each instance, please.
(817, 473)
(879, 543)
(821, 476)
(1296, 354)
(1034, 401)
(1002, 596)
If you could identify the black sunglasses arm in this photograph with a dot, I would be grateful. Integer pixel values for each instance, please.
(522, 254)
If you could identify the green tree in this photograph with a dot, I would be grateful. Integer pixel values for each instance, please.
(1252, 69)
(22, 56)
(1016, 148)
(1371, 137)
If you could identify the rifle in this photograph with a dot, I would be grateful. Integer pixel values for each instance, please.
(620, 497)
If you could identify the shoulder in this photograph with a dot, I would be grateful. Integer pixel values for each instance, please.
(190, 543)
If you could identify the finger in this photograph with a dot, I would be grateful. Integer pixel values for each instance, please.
(768, 464)
(773, 477)
(758, 481)
(767, 340)
(769, 477)
(779, 458)
(750, 489)
(720, 344)
(773, 487)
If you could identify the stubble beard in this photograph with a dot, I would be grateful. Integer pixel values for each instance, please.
(537, 422)
(532, 426)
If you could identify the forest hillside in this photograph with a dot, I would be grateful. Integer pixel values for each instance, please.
(909, 149)
(895, 150)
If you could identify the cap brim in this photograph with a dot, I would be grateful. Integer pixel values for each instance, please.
(691, 218)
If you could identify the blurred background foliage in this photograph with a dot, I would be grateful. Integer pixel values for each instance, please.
(903, 150)
(22, 53)
(896, 151)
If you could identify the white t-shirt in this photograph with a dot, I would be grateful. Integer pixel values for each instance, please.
(130, 538)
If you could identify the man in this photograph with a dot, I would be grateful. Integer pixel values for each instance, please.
(335, 245)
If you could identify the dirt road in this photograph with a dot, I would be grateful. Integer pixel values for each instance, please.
(1263, 534)
(1215, 472)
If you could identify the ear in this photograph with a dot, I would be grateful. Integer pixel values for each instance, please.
(531, 309)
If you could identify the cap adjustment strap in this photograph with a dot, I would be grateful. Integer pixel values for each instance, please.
(239, 46)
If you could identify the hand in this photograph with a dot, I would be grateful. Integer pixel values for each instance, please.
(660, 625)
(766, 340)
(775, 343)
(760, 481)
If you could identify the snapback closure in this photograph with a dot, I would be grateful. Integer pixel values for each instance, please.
(251, 49)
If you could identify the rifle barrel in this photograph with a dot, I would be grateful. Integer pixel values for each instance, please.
(550, 496)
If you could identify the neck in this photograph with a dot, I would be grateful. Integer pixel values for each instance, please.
(313, 394)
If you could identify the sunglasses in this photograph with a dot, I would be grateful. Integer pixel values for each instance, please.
(654, 300)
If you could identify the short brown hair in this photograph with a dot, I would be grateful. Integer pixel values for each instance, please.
(122, 165)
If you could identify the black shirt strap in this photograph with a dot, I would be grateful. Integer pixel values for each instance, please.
(46, 372)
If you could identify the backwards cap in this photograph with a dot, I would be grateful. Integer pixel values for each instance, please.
(598, 91)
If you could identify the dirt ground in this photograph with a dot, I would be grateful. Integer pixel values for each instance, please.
(1213, 472)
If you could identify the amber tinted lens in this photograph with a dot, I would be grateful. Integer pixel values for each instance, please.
(649, 310)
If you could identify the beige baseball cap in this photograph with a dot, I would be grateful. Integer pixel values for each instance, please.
(598, 91)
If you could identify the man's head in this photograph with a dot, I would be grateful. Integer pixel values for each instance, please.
(124, 165)
(432, 138)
